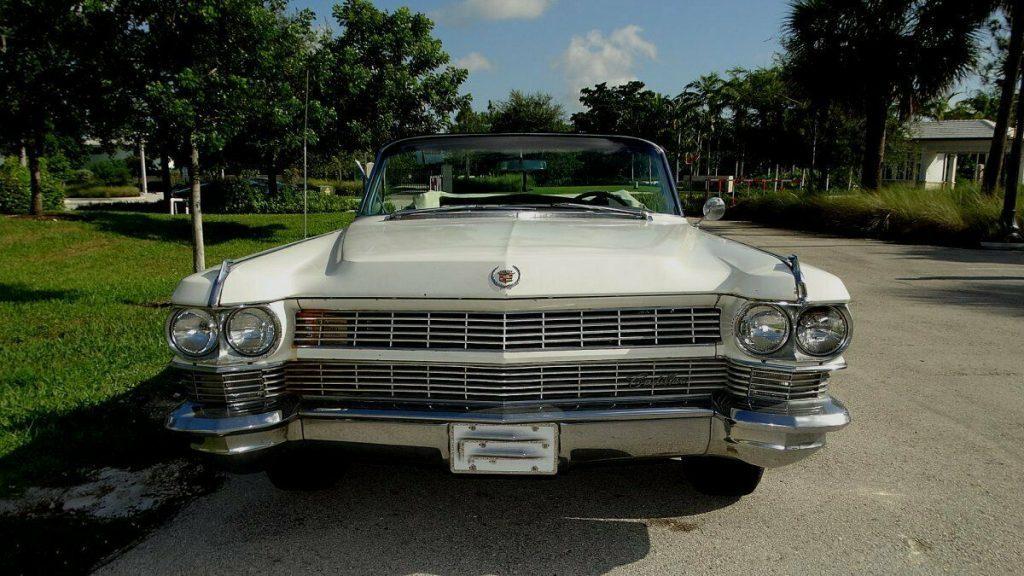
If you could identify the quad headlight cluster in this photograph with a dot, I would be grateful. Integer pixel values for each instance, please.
(248, 331)
(764, 329)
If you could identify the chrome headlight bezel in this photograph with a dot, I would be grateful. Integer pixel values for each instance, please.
(741, 317)
(214, 343)
(269, 348)
(844, 314)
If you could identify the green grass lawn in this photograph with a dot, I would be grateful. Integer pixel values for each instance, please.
(83, 300)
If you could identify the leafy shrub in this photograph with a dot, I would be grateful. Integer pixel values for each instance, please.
(16, 193)
(80, 176)
(338, 187)
(482, 184)
(241, 196)
(111, 172)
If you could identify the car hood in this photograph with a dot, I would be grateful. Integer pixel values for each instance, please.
(556, 257)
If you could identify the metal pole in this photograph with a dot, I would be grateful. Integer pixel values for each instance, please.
(305, 132)
(142, 166)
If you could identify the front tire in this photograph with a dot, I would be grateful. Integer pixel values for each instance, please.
(302, 469)
(717, 476)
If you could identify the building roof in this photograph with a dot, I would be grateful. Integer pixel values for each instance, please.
(952, 130)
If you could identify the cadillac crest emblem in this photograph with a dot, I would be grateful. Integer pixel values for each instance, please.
(505, 277)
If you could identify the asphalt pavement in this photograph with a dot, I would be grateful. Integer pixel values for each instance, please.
(928, 478)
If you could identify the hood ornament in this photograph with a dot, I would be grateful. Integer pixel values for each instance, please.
(505, 277)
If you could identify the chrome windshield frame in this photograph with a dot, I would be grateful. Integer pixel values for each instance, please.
(379, 164)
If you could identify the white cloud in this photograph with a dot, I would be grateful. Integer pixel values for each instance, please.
(465, 11)
(475, 62)
(595, 58)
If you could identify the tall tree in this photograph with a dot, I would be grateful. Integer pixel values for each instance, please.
(213, 48)
(469, 121)
(628, 108)
(879, 55)
(1008, 216)
(46, 79)
(390, 77)
(1008, 85)
(521, 112)
(289, 81)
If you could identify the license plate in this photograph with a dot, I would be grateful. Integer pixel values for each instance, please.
(503, 448)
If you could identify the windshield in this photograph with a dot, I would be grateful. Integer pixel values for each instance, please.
(592, 174)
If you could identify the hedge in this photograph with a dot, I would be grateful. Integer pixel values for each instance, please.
(16, 194)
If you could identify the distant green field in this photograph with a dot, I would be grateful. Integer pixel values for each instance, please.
(82, 306)
(581, 189)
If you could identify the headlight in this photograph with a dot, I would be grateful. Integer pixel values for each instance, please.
(822, 331)
(193, 332)
(763, 329)
(251, 331)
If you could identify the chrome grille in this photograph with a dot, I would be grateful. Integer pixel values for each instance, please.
(772, 386)
(508, 331)
(509, 384)
(237, 391)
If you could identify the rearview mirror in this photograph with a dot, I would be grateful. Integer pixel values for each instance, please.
(714, 209)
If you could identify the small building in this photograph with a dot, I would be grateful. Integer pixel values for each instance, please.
(942, 142)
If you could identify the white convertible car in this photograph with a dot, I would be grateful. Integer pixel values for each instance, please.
(513, 304)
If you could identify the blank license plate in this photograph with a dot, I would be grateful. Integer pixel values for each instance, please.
(503, 448)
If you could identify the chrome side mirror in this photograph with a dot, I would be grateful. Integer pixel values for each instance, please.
(714, 209)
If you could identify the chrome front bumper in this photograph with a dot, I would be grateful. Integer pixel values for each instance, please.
(764, 438)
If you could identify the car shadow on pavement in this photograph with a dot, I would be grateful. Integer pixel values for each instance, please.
(964, 255)
(407, 519)
(1001, 296)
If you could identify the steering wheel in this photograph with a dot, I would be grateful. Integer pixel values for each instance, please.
(596, 197)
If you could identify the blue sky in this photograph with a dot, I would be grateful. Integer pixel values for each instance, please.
(557, 46)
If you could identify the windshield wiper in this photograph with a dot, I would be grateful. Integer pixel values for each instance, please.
(450, 209)
(631, 212)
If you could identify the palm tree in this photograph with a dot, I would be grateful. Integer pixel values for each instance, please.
(876, 55)
(1008, 85)
(705, 99)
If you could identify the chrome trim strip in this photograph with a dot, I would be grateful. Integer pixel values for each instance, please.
(224, 368)
(188, 418)
(218, 285)
(836, 364)
(831, 366)
(831, 415)
(608, 415)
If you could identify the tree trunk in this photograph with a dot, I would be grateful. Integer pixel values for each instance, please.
(142, 167)
(35, 151)
(198, 248)
(1011, 68)
(165, 175)
(23, 156)
(272, 178)
(1008, 218)
(874, 143)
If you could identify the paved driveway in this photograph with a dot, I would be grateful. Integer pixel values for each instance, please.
(927, 478)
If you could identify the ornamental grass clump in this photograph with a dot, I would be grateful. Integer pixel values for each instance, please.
(962, 216)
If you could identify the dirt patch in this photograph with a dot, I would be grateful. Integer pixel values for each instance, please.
(672, 524)
(69, 530)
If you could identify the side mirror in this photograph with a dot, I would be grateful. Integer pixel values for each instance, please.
(714, 209)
